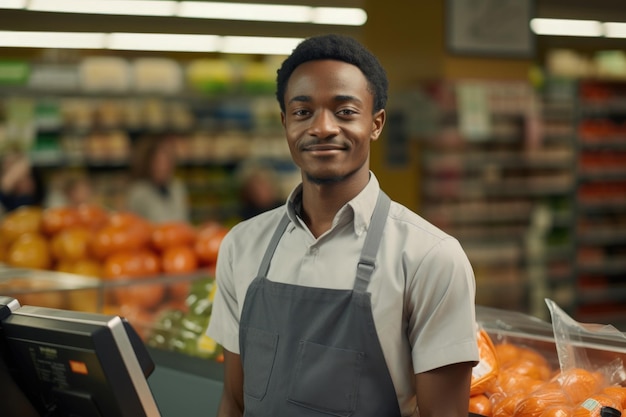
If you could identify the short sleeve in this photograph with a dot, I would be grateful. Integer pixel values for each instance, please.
(440, 302)
(224, 322)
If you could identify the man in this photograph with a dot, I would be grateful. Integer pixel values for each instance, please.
(341, 302)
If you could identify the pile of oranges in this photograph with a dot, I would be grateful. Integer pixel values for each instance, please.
(119, 248)
(524, 384)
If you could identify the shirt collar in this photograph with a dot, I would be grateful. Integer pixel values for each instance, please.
(360, 207)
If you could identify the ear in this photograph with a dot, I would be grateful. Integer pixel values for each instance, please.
(377, 124)
(282, 118)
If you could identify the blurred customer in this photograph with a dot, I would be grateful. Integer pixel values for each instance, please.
(155, 193)
(21, 183)
(259, 190)
(75, 190)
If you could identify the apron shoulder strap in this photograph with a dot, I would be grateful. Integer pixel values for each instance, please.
(367, 262)
(271, 248)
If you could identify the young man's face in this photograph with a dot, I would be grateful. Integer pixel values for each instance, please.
(329, 121)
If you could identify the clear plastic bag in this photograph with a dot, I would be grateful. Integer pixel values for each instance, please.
(573, 340)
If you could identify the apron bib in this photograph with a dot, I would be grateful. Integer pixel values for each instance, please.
(314, 351)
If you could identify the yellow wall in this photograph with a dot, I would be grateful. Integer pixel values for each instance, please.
(409, 39)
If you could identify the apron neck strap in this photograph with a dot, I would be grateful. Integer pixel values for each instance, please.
(367, 262)
(271, 247)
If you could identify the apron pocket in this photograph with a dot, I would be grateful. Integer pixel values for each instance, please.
(326, 379)
(258, 361)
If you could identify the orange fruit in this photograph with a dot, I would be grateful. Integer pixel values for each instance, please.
(504, 406)
(136, 264)
(25, 219)
(509, 381)
(539, 400)
(134, 272)
(71, 243)
(208, 243)
(579, 383)
(617, 392)
(485, 373)
(179, 260)
(85, 267)
(30, 250)
(174, 233)
(480, 404)
(92, 215)
(55, 219)
(507, 353)
(120, 237)
(558, 411)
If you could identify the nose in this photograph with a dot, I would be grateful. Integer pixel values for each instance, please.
(323, 124)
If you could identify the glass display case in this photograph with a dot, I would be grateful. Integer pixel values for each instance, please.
(170, 312)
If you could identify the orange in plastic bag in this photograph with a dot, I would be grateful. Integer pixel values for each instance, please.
(509, 381)
(538, 401)
(486, 371)
(558, 411)
(579, 383)
(504, 405)
(480, 404)
(591, 406)
(618, 393)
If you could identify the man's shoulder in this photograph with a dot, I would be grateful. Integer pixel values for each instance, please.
(412, 222)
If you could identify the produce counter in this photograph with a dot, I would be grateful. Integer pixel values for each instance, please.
(187, 379)
(537, 365)
(175, 319)
(183, 385)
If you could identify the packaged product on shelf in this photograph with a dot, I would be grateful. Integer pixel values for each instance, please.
(156, 75)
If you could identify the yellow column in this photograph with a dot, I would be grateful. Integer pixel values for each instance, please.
(409, 39)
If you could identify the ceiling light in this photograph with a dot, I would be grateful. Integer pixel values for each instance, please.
(119, 7)
(69, 40)
(258, 45)
(150, 42)
(345, 16)
(339, 16)
(13, 4)
(245, 11)
(162, 42)
(614, 30)
(566, 27)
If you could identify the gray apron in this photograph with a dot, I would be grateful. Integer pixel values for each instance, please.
(314, 351)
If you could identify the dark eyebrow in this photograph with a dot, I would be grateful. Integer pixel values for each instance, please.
(300, 99)
(344, 98)
(339, 98)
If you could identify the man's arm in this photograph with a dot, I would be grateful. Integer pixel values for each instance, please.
(231, 403)
(444, 392)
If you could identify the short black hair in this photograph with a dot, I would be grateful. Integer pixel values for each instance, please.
(340, 48)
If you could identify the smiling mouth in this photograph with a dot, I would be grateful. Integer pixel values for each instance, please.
(323, 148)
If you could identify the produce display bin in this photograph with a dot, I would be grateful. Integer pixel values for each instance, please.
(169, 312)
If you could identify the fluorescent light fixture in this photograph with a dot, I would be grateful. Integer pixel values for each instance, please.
(68, 40)
(264, 12)
(258, 45)
(566, 27)
(119, 7)
(150, 42)
(345, 16)
(614, 30)
(13, 4)
(245, 11)
(162, 42)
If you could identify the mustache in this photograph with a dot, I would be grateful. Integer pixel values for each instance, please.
(321, 143)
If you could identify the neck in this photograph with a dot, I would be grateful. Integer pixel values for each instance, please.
(322, 201)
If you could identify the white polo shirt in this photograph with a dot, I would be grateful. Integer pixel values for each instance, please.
(422, 290)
